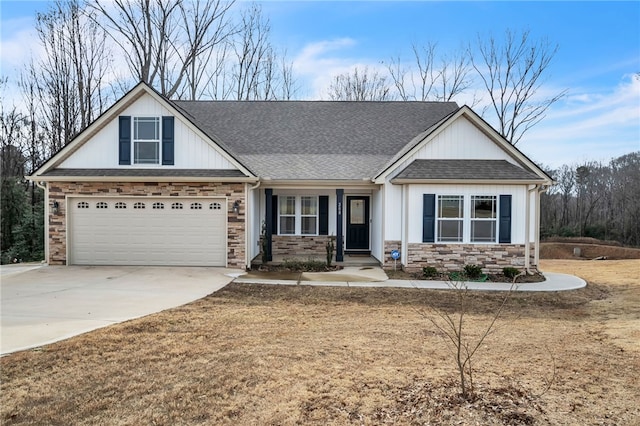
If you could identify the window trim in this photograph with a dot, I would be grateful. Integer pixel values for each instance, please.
(135, 141)
(473, 220)
(459, 219)
(467, 218)
(298, 216)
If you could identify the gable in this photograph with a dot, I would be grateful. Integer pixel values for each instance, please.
(463, 136)
(192, 151)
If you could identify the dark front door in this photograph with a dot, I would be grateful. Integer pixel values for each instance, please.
(357, 224)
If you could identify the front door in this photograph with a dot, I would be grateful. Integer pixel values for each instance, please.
(357, 224)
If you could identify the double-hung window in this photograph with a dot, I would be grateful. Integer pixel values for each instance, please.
(483, 218)
(450, 219)
(146, 140)
(298, 215)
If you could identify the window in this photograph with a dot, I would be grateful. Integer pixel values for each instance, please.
(309, 215)
(176, 206)
(287, 215)
(146, 140)
(101, 205)
(483, 219)
(120, 205)
(196, 206)
(215, 206)
(298, 215)
(139, 206)
(158, 206)
(450, 218)
(83, 205)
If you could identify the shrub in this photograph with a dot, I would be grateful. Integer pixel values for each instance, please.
(510, 272)
(429, 272)
(472, 271)
(309, 265)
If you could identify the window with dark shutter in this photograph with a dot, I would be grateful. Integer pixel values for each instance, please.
(124, 137)
(323, 215)
(505, 219)
(428, 218)
(167, 141)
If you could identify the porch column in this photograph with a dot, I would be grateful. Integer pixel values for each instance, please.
(339, 237)
(268, 221)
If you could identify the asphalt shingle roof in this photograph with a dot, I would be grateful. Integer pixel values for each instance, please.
(314, 139)
(465, 170)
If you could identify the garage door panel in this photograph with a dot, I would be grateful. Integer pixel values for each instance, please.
(131, 231)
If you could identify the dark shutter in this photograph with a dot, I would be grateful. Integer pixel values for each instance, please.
(167, 141)
(505, 219)
(323, 215)
(274, 215)
(428, 218)
(124, 138)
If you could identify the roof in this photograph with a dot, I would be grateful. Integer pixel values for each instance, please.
(462, 170)
(314, 139)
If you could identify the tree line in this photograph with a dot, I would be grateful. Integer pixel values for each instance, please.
(595, 199)
(220, 50)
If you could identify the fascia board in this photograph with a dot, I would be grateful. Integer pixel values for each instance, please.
(365, 183)
(139, 179)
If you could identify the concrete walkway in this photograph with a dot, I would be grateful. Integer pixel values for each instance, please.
(45, 304)
(375, 277)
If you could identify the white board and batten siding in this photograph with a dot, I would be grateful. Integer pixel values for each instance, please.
(147, 231)
(191, 150)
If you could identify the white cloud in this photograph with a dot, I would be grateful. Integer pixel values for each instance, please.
(588, 126)
(318, 63)
(19, 42)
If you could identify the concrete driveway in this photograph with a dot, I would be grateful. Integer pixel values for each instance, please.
(44, 304)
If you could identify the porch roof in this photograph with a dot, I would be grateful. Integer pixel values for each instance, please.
(464, 170)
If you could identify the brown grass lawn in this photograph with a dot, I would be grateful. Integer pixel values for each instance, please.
(258, 355)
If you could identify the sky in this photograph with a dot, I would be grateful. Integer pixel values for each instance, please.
(597, 60)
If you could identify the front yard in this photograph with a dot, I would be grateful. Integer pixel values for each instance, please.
(253, 354)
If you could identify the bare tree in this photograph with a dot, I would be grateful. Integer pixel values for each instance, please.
(361, 85)
(163, 41)
(512, 73)
(432, 79)
(70, 77)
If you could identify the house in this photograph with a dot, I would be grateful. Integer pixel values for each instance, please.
(159, 182)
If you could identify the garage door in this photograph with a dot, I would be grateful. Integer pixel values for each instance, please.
(153, 231)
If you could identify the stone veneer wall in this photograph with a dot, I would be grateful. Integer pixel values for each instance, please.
(299, 245)
(453, 257)
(235, 222)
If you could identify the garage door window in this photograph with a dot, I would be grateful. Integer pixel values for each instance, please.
(83, 205)
(158, 206)
(196, 206)
(121, 205)
(101, 205)
(176, 206)
(139, 205)
(215, 206)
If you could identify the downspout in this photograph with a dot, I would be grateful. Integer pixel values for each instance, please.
(45, 188)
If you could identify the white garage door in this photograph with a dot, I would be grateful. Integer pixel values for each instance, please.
(150, 231)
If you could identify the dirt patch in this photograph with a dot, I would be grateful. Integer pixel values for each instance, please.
(252, 354)
(564, 250)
